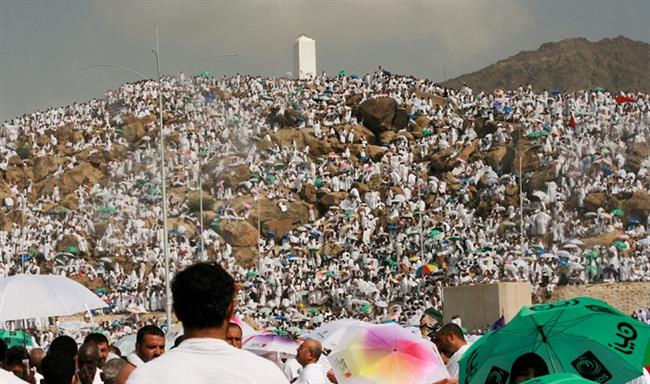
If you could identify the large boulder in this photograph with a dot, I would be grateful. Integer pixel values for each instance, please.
(82, 174)
(638, 205)
(332, 199)
(595, 200)
(500, 158)
(382, 114)
(278, 226)
(246, 256)
(134, 131)
(44, 166)
(239, 233)
(636, 155)
(308, 193)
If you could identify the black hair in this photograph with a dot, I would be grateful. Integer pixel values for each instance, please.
(65, 344)
(58, 368)
(148, 330)
(97, 338)
(15, 355)
(451, 329)
(525, 362)
(3, 352)
(202, 294)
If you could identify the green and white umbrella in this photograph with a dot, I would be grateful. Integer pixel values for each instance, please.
(583, 336)
(559, 378)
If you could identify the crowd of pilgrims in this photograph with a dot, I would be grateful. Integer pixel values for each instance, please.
(394, 250)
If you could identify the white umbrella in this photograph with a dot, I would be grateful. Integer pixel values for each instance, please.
(330, 334)
(570, 246)
(563, 254)
(266, 343)
(39, 296)
(548, 256)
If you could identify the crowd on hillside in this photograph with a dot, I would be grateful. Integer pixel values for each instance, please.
(397, 242)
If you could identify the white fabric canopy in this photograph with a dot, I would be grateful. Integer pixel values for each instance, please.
(39, 296)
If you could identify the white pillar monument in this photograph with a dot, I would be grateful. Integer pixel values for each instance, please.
(304, 57)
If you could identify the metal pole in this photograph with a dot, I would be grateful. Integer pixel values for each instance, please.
(203, 258)
(168, 294)
(259, 230)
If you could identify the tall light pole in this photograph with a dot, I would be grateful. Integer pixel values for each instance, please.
(165, 243)
(521, 199)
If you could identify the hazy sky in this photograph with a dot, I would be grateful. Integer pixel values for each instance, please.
(43, 43)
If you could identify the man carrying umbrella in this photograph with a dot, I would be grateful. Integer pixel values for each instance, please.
(451, 342)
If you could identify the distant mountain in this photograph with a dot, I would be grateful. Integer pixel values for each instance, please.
(569, 65)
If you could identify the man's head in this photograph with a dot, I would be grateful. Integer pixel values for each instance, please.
(111, 369)
(65, 344)
(58, 368)
(234, 335)
(527, 366)
(36, 358)
(149, 342)
(88, 362)
(115, 350)
(102, 344)
(203, 296)
(309, 352)
(15, 361)
(449, 339)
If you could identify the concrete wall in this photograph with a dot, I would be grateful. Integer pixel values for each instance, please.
(479, 305)
(627, 297)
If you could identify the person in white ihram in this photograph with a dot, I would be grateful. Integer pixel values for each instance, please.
(204, 302)
(307, 355)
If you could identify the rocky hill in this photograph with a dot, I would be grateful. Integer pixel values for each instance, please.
(568, 65)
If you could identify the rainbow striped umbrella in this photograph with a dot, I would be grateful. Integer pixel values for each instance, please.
(426, 269)
(386, 353)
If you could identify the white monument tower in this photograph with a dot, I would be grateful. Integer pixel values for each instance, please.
(304, 57)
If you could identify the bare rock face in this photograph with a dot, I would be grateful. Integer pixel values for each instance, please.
(239, 234)
(332, 199)
(638, 205)
(636, 156)
(382, 114)
(595, 200)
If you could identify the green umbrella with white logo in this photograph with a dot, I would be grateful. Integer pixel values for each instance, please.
(583, 336)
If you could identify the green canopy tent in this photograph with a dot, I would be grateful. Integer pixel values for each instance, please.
(15, 338)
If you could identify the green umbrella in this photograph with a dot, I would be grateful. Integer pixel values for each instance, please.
(580, 335)
(14, 338)
(33, 252)
(108, 209)
(559, 378)
(590, 255)
(318, 182)
(623, 246)
(342, 72)
(365, 308)
(72, 249)
(618, 212)
(426, 133)
(599, 89)
(271, 177)
(536, 134)
(141, 182)
(435, 232)
(206, 74)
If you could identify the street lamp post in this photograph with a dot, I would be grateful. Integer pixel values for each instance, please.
(165, 245)
(521, 198)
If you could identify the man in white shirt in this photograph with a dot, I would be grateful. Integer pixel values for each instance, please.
(149, 345)
(450, 341)
(204, 296)
(308, 354)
